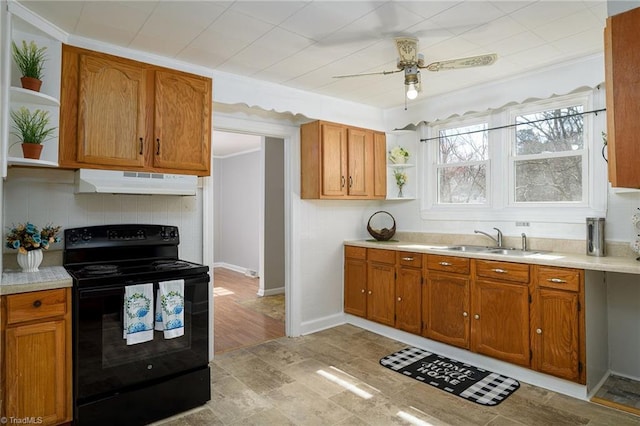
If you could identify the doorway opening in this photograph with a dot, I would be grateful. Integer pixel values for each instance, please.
(249, 268)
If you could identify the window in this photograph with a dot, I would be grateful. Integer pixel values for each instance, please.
(462, 165)
(549, 155)
(535, 161)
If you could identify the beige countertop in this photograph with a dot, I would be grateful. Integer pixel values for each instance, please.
(628, 265)
(47, 278)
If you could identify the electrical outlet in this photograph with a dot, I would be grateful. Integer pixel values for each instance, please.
(522, 223)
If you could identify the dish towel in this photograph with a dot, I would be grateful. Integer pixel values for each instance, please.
(138, 317)
(172, 308)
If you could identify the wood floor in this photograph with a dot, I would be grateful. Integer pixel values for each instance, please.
(237, 322)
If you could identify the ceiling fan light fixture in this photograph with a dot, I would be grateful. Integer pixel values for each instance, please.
(411, 90)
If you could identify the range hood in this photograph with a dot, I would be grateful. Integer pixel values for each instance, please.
(121, 182)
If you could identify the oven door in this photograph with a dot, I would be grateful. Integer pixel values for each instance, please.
(105, 364)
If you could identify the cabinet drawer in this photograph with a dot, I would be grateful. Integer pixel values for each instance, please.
(413, 260)
(382, 256)
(559, 278)
(503, 271)
(355, 252)
(459, 265)
(36, 305)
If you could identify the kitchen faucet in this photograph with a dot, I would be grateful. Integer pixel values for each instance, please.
(497, 240)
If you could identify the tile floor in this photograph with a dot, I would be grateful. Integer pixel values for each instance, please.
(333, 378)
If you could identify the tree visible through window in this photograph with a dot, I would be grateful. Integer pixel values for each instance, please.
(549, 156)
(462, 165)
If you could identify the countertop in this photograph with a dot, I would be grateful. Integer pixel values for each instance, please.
(627, 265)
(47, 278)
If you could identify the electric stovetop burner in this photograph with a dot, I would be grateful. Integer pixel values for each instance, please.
(100, 270)
(162, 265)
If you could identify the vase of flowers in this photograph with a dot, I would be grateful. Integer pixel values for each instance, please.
(398, 155)
(30, 60)
(401, 180)
(30, 241)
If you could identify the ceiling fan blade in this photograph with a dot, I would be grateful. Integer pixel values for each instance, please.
(367, 73)
(472, 61)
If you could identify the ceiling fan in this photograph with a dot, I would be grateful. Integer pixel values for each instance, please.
(411, 62)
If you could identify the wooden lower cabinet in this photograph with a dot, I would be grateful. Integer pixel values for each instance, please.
(525, 315)
(36, 332)
(355, 281)
(409, 292)
(557, 323)
(500, 321)
(445, 308)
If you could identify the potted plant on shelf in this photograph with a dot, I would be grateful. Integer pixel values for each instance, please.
(30, 60)
(31, 129)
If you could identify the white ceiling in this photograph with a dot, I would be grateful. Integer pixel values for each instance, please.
(226, 144)
(303, 44)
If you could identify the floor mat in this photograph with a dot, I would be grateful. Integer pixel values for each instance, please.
(466, 381)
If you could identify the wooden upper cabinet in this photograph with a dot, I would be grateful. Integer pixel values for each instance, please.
(182, 121)
(622, 81)
(116, 138)
(341, 162)
(121, 114)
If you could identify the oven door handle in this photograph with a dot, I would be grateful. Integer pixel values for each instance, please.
(101, 291)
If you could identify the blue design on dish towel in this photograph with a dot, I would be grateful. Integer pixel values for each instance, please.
(171, 303)
(138, 320)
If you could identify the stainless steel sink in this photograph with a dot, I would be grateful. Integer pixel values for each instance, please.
(476, 249)
(513, 251)
(505, 251)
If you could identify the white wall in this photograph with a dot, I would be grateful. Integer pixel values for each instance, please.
(273, 270)
(42, 196)
(238, 207)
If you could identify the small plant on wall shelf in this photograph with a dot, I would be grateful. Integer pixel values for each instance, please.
(32, 129)
(30, 60)
(398, 155)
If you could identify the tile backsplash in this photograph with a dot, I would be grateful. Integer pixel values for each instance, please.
(43, 196)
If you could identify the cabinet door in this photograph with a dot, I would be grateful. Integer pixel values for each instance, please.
(334, 159)
(360, 162)
(622, 60)
(36, 373)
(112, 112)
(182, 135)
(445, 308)
(555, 333)
(355, 287)
(409, 300)
(381, 293)
(500, 325)
(379, 165)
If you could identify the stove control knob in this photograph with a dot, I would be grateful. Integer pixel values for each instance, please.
(173, 235)
(86, 236)
(73, 238)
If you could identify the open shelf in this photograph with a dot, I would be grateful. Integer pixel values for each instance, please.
(26, 96)
(18, 161)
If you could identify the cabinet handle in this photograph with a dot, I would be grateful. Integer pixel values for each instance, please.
(556, 280)
(538, 330)
(350, 181)
(37, 303)
(476, 316)
(342, 181)
(158, 144)
(444, 263)
(399, 299)
(408, 259)
(465, 314)
(500, 271)
(141, 145)
(363, 290)
(369, 291)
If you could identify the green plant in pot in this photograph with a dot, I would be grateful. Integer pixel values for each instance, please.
(32, 129)
(30, 60)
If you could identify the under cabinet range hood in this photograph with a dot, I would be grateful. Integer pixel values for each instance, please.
(122, 182)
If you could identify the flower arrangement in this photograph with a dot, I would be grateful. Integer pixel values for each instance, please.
(26, 237)
(401, 177)
(398, 155)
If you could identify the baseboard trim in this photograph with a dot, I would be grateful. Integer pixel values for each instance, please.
(308, 327)
(270, 291)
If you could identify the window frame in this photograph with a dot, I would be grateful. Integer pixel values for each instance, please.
(500, 167)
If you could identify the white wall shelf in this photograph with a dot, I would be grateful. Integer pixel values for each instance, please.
(407, 139)
(19, 161)
(26, 96)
